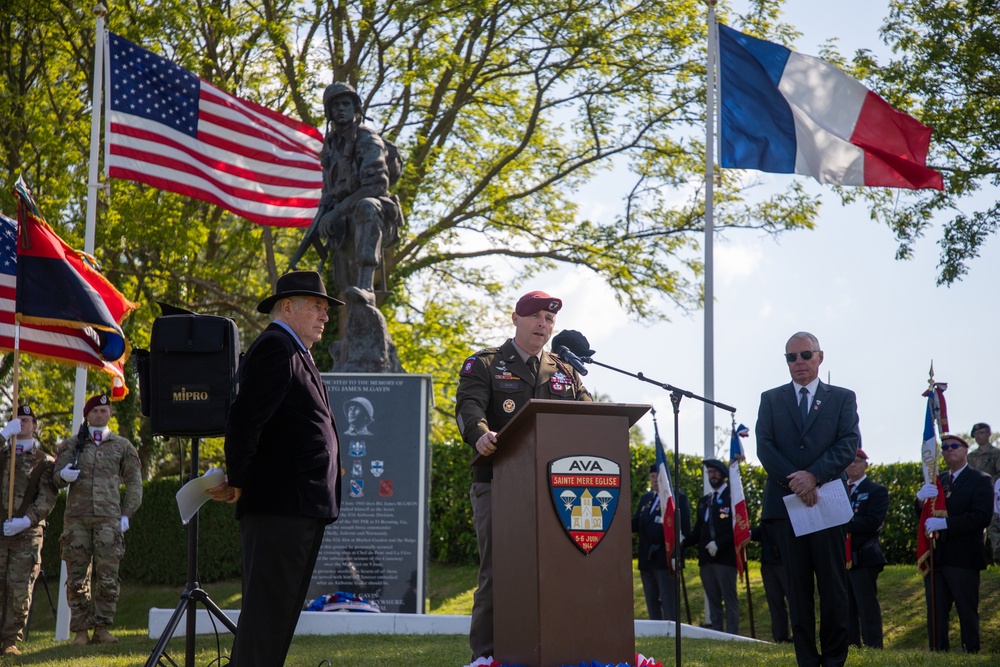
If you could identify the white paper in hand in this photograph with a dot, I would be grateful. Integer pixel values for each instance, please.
(833, 509)
(194, 494)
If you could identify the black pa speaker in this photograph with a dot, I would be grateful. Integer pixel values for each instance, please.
(191, 375)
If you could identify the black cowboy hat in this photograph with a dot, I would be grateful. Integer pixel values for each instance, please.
(298, 283)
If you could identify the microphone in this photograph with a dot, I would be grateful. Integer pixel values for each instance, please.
(571, 359)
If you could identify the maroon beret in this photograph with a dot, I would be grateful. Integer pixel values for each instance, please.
(952, 436)
(93, 402)
(532, 302)
(861, 454)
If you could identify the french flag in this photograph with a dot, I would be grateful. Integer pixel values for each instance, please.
(741, 518)
(667, 505)
(787, 113)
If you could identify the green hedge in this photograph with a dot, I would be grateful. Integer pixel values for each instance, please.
(156, 543)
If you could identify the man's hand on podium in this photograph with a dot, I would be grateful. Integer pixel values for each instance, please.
(487, 444)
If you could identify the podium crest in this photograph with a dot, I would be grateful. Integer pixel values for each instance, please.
(585, 492)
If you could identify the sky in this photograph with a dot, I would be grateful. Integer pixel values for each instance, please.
(881, 322)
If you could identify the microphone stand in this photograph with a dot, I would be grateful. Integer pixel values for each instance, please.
(676, 394)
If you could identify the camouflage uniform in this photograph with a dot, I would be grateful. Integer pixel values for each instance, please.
(92, 534)
(21, 554)
(987, 459)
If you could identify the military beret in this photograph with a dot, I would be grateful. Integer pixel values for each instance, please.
(532, 302)
(25, 411)
(717, 464)
(93, 402)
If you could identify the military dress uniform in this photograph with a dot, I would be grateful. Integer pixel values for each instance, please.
(92, 531)
(21, 554)
(493, 385)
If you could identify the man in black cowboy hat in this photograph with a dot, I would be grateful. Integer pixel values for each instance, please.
(356, 206)
(283, 464)
(713, 531)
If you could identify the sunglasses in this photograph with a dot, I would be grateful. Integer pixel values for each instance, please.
(956, 445)
(806, 355)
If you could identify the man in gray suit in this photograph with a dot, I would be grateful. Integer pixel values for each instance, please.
(807, 435)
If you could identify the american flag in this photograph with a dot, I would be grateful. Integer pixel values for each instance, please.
(169, 129)
(78, 347)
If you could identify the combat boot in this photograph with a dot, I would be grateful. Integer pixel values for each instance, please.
(102, 636)
(82, 638)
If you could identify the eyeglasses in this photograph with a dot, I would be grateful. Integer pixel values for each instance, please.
(806, 355)
(956, 445)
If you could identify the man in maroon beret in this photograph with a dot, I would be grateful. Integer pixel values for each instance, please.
(23, 533)
(95, 463)
(493, 385)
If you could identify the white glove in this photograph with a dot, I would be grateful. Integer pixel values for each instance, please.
(927, 491)
(935, 523)
(14, 526)
(12, 428)
(712, 548)
(124, 523)
(69, 473)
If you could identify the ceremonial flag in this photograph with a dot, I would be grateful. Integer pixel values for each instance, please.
(788, 113)
(58, 285)
(741, 519)
(667, 504)
(68, 345)
(936, 410)
(174, 131)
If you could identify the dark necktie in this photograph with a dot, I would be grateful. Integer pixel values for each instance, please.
(804, 403)
(711, 509)
(533, 365)
(850, 491)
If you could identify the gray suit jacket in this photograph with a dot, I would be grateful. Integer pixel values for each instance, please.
(825, 445)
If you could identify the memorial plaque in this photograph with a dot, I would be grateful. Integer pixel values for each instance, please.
(378, 547)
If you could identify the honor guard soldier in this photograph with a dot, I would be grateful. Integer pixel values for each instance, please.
(21, 544)
(493, 385)
(95, 464)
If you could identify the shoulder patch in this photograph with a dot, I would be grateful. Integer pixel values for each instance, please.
(467, 366)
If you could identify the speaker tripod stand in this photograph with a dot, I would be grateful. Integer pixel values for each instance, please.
(191, 596)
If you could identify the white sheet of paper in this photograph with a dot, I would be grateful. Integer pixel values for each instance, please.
(192, 495)
(832, 509)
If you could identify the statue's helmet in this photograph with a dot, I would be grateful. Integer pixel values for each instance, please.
(339, 88)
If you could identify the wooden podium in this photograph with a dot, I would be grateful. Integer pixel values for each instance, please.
(555, 602)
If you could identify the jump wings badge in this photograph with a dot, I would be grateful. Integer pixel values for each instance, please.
(585, 493)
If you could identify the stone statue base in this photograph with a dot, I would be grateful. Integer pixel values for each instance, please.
(366, 346)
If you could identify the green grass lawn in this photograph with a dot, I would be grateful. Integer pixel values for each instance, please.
(901, 592)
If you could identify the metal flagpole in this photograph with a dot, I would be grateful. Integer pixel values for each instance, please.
(93, 189)
(709, 339)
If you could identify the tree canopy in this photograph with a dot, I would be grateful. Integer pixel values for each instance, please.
(503, 111)
(946, 69)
